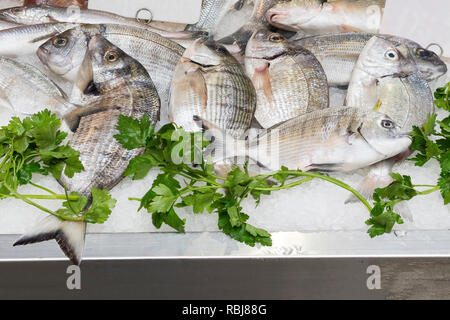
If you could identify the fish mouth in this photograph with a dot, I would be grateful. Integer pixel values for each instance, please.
(270, 58)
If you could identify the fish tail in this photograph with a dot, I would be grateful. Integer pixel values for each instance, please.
(69, 235)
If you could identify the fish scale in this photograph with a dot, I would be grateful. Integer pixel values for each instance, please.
(219, 92)
(293, 84)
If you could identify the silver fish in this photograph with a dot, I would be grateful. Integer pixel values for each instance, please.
(64, 54)
(339, 52)
(407, 100)
(40, 92)
(320, 17)
(210, 83)
(128, 90)
(25, 40)
(47, 14)
(334, 139)
(289, 80)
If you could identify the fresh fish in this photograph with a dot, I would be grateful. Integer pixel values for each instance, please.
(64, 53)
(320, 17)
(338, 54)
(47, 14)
(221, 18)
(40, 92)
(57, 3)
(128, 90)
(379, 59)
(210, 83)
(407, 100)
(25, 40)
(289, 81)
(7, 25)
(333, 139)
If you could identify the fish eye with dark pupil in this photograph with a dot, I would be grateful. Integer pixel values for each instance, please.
(221, 50)
(60, 42)
(424, 53)
(387, 124)
(276, 38)
(111, 56)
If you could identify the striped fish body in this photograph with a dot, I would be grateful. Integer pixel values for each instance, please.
(220, 93)
(127, 91)
(157, 54)
(287, 85)
(335, 139)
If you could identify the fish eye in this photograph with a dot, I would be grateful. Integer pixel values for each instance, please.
(221, 50)
(17, 10)
(276, 37)
(60, 42)
(387, 124)
(391, 54)
(111, 56)
(424, 53)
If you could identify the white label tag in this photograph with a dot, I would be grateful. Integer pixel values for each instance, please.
(177, 11)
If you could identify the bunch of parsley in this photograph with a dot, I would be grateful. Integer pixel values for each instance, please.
(34, 145)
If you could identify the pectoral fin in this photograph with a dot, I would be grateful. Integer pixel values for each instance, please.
(324, 167)
(261, 81)
(73, 117)
(198, 84)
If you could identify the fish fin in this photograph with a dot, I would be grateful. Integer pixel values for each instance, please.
(324, 167)
(198, 84)
(223, 145)
(255, 124)
(367, 187)
(73, 117)
(68, 234)
(261, 80)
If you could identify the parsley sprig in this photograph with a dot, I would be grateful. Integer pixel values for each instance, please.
(34, 145)
(180, 184)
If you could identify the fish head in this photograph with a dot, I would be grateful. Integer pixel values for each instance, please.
(64, 53)
(292, 14)
(382, 134)
(206, 52)
(265, 44)
(428, 62)
(109, 64)
(381, 58)
(26, 15)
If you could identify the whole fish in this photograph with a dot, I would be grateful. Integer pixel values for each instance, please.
(64, 53)
(339, 52)
(129, 91)
(25, 40)
(289, 80)
(47, 14)
(333, 139)
(407, 100)
(320, 17)
(40, 92)
(210, 83)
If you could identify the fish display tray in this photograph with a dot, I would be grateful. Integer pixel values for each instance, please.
(208, 265)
